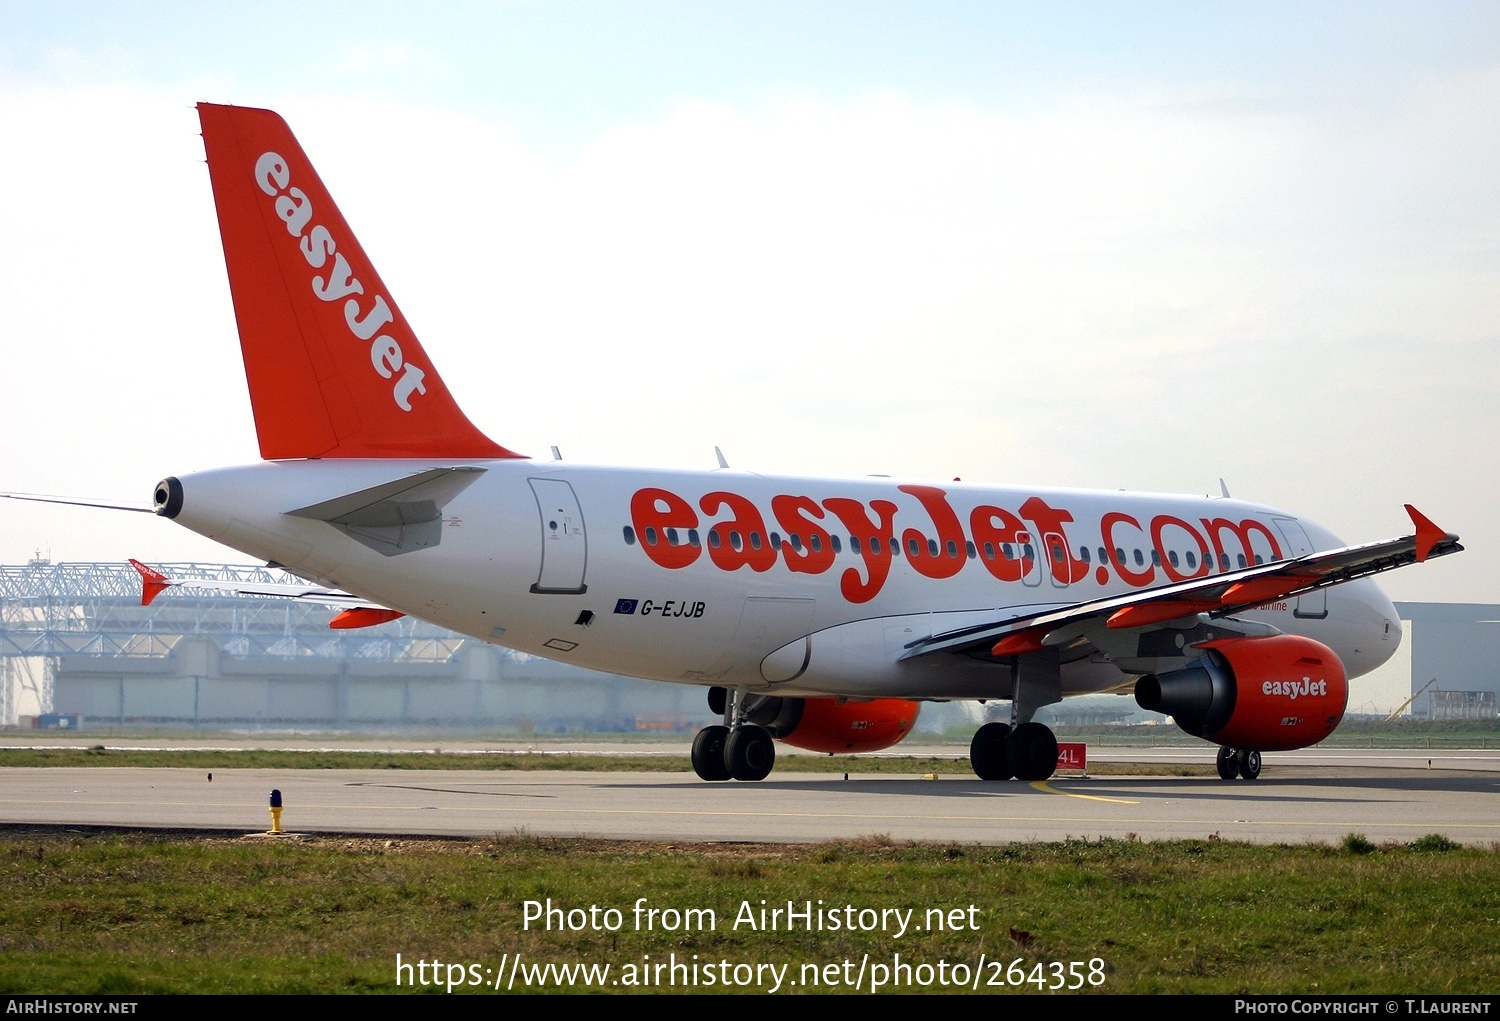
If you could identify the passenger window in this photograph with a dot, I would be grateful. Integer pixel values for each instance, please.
(816, 542)
(989, 550)
(913, 548)
(1241, 559)
(671, 537)
(735, 542)
(755, 540)
(650, 535)
(693, 537)
(1192, 560)
(1155, 558)
(837, 546)
(895, 547)
(969, 548)
(1140, 561)
(854, 544)
(1172, 557)
(629, 536)
(1223, 561)
(796, 541)
(1007, 551)
(1083, 554)
(776, 540)
(952, 550)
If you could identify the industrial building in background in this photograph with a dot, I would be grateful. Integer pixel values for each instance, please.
(77, 648)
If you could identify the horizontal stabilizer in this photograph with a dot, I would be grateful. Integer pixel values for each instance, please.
(396, 517)
(354, 612)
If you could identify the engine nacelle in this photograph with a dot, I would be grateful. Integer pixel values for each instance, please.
(1278, 692)
(833, 725)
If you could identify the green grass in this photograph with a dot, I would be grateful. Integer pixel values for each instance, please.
(127, 914)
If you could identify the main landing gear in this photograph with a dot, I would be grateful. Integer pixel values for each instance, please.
(739, 750)
(1023, 748)
(1235, 762)
(1029, 752)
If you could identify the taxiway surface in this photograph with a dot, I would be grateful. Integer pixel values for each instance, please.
(1293, 802)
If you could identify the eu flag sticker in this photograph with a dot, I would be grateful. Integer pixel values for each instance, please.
(625, 605)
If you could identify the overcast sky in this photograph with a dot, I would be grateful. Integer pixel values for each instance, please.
(1115, 245)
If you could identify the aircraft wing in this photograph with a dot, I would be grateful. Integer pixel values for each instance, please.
(354, 611)
(1216, 596)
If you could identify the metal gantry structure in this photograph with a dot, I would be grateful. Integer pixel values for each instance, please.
(49, 611)
(94, 609)
(76, 640)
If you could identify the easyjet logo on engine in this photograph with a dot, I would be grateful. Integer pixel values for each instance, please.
(318, 245)
(938, 541)
(1305, 688)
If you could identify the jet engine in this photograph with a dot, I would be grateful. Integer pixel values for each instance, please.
(834, 725)
(1259, 694)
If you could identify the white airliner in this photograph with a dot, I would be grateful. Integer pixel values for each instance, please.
(818, 611)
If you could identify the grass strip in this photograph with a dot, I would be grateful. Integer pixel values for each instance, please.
(136, 913)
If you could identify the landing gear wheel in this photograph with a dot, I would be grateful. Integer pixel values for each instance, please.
(1229, 763)
(708, 753)
(1032, 750)
(1249, 763)
(750, 753)
(987, 752)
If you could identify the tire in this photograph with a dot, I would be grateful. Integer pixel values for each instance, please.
(1032, 750)
(708, 753)
(987, 752)
(750, 753)
(1249, 764)
(1228, 763)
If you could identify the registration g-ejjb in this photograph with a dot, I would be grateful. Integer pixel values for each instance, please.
(683, 608)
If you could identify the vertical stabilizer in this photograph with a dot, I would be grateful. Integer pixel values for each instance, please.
(334, 369)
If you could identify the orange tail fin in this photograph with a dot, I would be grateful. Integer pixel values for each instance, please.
(334, 369)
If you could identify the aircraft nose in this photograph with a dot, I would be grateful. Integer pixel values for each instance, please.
(1375, 625)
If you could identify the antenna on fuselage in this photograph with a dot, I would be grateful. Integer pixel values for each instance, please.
(720, 455)
(1222, 488)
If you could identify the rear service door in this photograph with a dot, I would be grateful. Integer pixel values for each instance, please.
(565, 546)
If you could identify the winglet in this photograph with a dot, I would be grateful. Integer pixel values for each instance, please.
(363, 616)
(153, 583)
(1428, 534)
